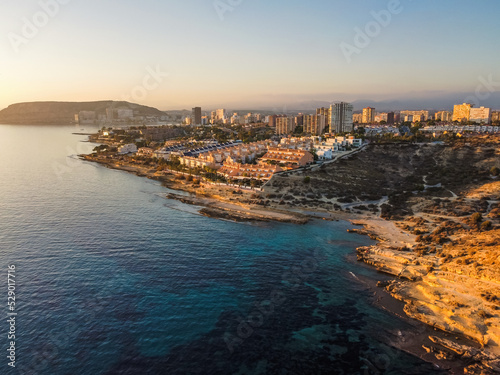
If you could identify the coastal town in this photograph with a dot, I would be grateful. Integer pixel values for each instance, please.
(436, 220)
(249, 149)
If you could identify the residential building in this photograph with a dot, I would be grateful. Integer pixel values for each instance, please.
(325, 112)
(480, 115)
(314, 124)
(220, 115)
(127, 149)
(237, 171)
(461, 112)
(357, 118)
(292, 158)
(284, 125)
(341, 117)
(391, 119)
(368, 115)
(495, 116)
(196, 116)
(444, 116)
(414, 116)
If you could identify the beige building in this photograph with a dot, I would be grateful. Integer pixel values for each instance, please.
(288, 156)
(495, 116)
(357, 118)
(237, 171)
(480, 115)
(368, 115)
(284, 125)
(314, 124)
(461, 112)
(444, 116)
(414, 116)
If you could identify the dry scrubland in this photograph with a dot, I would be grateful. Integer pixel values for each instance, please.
(446, 200)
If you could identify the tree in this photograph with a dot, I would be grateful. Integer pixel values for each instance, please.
(307, 180)
(494, 171)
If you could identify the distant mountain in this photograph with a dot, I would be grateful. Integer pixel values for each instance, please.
(63, 113)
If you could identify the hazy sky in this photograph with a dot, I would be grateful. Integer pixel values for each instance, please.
(244, 53)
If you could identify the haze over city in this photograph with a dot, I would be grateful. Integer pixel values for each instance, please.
(250, 54)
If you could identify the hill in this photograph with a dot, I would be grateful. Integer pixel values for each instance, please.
(63, 113)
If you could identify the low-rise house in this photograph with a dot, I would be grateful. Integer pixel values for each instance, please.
(237, 171)
(145, 151)
(127, 149)
(285, 156)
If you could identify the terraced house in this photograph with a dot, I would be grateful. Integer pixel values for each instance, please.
(288, 157)
(238, 171)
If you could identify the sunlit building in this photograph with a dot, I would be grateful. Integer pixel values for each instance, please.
(461, 112)
(480, 115)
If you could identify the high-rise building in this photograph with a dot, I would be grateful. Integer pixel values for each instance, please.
(314, 124)
(391, 118)
(414, 116)
(480, 115)
(325, 112)
(443, 116)
(495, 117)
(357, 118)
(461, 112)
(368, 115)
(341, 117)
(196, 116)
(220, 115)
(272, 121)
(284, 125)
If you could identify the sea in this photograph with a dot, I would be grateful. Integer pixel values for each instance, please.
(111, 277)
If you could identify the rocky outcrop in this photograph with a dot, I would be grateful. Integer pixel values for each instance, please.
(63, 113)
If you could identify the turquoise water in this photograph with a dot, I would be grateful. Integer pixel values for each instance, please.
(112, 278)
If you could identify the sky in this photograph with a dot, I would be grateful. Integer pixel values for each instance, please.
(248, 53)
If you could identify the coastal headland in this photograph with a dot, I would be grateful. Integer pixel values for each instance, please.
(434, 209)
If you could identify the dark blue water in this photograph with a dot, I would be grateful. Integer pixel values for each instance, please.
(112, 278)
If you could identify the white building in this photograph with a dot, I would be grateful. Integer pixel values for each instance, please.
(127, 149)
(480, 115)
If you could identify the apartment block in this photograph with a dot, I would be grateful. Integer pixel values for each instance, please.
(341, 117)
(368, 115)
(480, 115)
(461, 112)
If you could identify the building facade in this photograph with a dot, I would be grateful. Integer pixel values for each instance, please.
(196, 116)
(368, 115)
(284, 125)
(461, 112)
(341, 118)
(480, 115)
